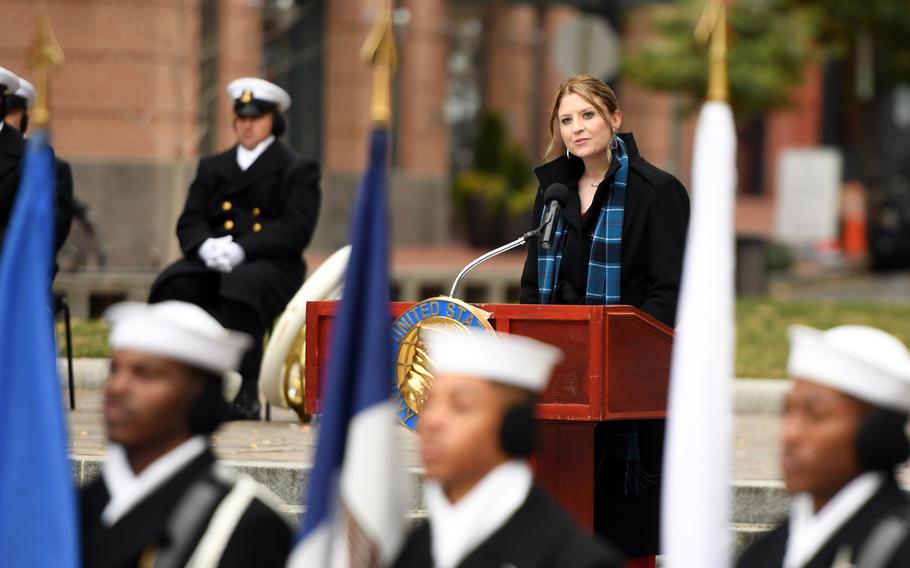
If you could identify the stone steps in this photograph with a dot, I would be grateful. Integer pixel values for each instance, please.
(758, 505)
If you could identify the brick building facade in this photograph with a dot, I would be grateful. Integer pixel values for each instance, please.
(142, 95)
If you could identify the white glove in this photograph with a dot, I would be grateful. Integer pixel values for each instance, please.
(212, 253)
(220, 264)
(233, 253)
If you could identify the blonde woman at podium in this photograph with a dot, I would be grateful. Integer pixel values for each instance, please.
(622, 229)
(618, 239)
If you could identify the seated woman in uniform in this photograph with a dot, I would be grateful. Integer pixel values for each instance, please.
(623, 212)
(620, 240)
(249, 214)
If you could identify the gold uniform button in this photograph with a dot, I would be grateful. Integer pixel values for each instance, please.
(257, 227)
(228, 224)
(227, 205)
(256, 211)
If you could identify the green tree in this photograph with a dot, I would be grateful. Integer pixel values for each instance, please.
(770, 42)
(498, 190)
(884, 25)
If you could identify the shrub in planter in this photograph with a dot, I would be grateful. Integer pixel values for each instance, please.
(492, 196)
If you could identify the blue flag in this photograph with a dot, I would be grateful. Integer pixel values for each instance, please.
(357, 496)
(38, 521)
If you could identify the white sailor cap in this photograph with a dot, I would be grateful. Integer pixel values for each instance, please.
(9, 80)
(253, 96)
(176, 330)
(858, 360)
(26, 92)
(496, 357)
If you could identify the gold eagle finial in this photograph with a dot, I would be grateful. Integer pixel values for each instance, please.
(379, 51)
(712, 29)
(43, 54)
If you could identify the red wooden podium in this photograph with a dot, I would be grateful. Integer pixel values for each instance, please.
(617, 367)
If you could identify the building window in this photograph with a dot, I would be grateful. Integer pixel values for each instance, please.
(208, 76)
(750, 157)
(293, 53)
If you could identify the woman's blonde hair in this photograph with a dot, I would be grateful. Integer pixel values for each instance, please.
(591, 89)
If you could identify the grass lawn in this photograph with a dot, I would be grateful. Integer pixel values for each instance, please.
(761, 325)
(89, 339)
(761, 346)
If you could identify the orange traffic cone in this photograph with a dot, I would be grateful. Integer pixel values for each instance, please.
(853, 217)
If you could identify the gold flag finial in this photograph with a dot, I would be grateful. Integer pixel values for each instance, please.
(379, 51)
(43, 54)
(712, 29)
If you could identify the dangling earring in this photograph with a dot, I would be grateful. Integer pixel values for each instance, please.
(568, 155)
(614, 143)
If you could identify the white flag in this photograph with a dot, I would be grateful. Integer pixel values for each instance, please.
(695, 520)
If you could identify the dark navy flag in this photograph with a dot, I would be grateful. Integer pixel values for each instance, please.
(356, 506)
(38, 521)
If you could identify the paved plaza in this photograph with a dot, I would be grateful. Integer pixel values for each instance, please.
(285, 441)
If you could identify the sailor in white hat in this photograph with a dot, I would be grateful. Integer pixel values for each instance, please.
(19, 103)
(12, 148)
(843, 436)
(249, 215)
(9, 83)
(477, 431)
(160, 495)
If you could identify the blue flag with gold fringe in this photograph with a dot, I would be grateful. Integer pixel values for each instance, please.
(38, 519)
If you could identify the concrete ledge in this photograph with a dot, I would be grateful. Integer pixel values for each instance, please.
(80, 287)
(289, 482)
(744, 535)
(751, 396)
(88, 373)
(758, 396)
(755, 502)
(495, 284)
(759, 502)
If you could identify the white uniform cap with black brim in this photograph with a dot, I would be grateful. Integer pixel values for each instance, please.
(9, 81)
(179, 331)
(253, 96)
(861, 361)
(26, 93)
(499, 358)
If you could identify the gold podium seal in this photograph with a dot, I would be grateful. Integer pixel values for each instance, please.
(413, 365)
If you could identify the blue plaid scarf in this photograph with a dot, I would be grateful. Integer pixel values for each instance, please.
(606, 248)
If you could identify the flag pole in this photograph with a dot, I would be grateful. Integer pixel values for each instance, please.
(712, 30)
(696, 492)
(39, 521)
(356, 507)
(44, 54)
(380, 52)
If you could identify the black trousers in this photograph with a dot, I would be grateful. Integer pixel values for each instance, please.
(203, 291)
(629, 457)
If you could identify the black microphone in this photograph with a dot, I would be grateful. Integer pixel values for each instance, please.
(556, 196)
